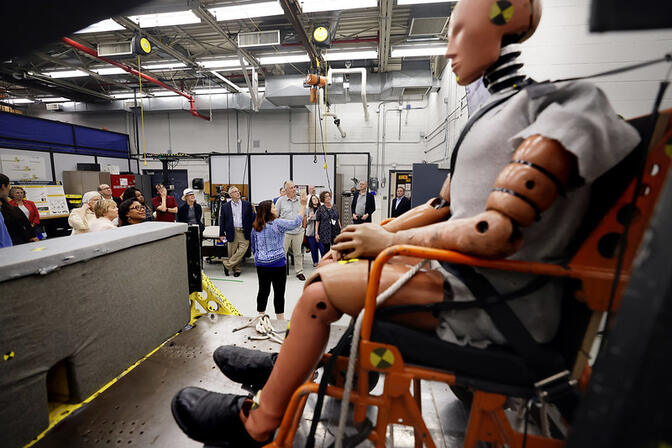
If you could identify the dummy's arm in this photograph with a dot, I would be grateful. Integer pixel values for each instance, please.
(526, 187)
(433, 211)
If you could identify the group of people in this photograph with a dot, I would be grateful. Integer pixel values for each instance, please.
(275, 229)
(102, 211)
(19, 217)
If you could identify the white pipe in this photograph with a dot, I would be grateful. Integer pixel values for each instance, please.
(361, 71)
(320, 98)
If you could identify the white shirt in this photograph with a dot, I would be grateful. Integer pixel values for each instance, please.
(397, 204)
(237, 211)
(101, 224)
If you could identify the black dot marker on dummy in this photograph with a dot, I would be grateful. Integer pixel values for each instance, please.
(321, 305)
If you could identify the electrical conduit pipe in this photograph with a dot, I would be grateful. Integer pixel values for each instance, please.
(92, 52)
(361, 71)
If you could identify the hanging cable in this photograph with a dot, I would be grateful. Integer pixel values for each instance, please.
(142, 114)
(324, 148)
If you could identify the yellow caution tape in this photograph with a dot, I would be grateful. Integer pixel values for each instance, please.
(58, 411)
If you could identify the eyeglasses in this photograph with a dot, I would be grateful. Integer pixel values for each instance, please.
(137, 207)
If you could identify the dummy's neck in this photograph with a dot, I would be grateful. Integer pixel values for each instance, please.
(507, 73)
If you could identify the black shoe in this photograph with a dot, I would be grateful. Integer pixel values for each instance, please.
(250, 368)
(301, 277)
(212, 418)
(226, 271)
(236, 274)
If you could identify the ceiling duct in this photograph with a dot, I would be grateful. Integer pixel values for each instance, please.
(116, 49)
(259, 39)
(427, 26)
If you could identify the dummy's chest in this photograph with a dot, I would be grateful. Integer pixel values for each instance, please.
(485, 151)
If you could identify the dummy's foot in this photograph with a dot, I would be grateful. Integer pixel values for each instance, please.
(212, 418)
(250, 368)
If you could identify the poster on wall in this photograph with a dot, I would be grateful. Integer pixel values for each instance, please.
(23, 168)
(49, 200)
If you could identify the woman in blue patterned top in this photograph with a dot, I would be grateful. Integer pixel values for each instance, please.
(267, 240)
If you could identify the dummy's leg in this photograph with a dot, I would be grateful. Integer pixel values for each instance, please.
(308, 335)
(300, 353)
(203, 414)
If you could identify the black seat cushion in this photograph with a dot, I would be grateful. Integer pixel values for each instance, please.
(495, 364)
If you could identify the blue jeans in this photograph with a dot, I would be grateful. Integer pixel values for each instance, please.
(314, 245)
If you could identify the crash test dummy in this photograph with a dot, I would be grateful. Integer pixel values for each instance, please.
(519, 188)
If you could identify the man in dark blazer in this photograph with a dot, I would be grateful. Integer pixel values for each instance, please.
(401, 204)
(363, 204)
(236, 218)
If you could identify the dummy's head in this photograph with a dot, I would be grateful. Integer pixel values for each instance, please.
(478, 28)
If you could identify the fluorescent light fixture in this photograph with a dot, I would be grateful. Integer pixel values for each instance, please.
(109, 71)
(351, 55)
(165, 19)
(334, 5)
(260, 89)
(54, 99)
(126, 96)
(211, 91)
(167, 66)
(18, 101)
(220, 63)
(416, 2)
(247, 11)
(163, 93)
(101, 27)
(66, 74)
(410, 51)
(287, 58)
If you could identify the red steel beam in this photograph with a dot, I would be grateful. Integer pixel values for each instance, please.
(94, 53)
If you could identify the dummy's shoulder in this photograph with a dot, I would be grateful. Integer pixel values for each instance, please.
(557, 90)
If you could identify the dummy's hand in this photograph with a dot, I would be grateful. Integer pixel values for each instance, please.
(363, 240)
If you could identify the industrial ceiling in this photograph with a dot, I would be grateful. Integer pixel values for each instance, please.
(195, 47)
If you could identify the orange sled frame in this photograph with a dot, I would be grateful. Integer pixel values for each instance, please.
(400, 400)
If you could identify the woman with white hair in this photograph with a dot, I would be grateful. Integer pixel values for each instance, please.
(81, 218)
(106, 213)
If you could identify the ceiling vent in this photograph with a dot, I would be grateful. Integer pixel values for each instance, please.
(427, 26)
(115, 49)
(259, 39)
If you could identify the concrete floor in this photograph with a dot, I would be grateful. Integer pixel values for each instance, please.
(242, 291)
(136, 409)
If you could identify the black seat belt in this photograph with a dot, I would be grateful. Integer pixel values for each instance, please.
(541, 360)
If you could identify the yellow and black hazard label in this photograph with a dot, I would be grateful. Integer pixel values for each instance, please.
(8, 356)
(382, 358)
(287, 330)
(501, 12)
(351, 260)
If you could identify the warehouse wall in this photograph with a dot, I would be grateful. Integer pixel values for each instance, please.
(291, 130)
(562, 47)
